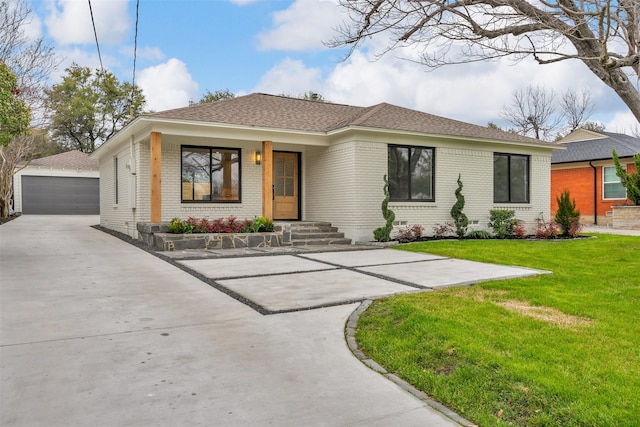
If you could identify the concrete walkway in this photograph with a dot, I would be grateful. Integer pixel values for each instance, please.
(95, 331)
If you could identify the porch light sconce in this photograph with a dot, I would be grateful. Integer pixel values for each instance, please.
(258, 157)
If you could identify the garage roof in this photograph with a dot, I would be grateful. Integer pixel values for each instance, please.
(68, 160)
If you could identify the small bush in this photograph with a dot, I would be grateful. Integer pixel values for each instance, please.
(502, 222)
(479, 234)
(521, 230)
(219, 225)
(575, 229)
(442, 230)
(567, 216)
(546, 230)
(262, 224)
(459, 218)
(409, 234)
(383, 234)
(178, 226)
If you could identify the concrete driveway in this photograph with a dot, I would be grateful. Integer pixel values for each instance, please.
(95, 331)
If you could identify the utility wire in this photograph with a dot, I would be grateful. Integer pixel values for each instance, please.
(93, 22)
(135, 55)
(135, 44)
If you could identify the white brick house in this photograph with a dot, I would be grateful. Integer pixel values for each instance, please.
(293, 159)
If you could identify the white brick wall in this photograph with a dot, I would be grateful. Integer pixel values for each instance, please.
(341, 183)
(117, 216)
(344, 185)
(123, 216)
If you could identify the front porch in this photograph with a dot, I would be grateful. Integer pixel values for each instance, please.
(299, 233)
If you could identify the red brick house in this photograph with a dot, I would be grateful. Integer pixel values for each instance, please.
(586, 169)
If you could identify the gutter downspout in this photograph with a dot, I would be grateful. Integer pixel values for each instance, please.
(595, 193)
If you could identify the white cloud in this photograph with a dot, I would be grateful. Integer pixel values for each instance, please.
(290, 77)
(305, 25)
(149, 53)
(623, 122)
(69, 21)
(242, 2)
(168, 85)
(82, 58)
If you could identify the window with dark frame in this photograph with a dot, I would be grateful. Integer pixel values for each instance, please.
(510, 178)
(210, 174)
(411, 173)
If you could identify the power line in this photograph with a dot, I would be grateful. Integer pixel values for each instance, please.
(135, 45)
(135, 55)
(93, 22)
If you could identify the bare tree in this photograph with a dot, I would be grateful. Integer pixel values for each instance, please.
(603, 34)
(13, 158)
(532, 112)
(31, 61)
(576, 108)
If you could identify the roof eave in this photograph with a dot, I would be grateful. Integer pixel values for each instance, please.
(550, 145)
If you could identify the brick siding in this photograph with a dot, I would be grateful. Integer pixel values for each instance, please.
(579, 181)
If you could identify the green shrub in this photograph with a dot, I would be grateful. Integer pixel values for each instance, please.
(179, 226)
(567, 217)
(502, 222)
(460, 220)
(383, 234)
(479, 234)
(262, 224)
(630, 181)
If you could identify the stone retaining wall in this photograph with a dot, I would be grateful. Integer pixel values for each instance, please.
(158, 236)
(626, 217)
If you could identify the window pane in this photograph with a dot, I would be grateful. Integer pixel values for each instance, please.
(225, 174)
(288, 187)
(421, 165)
(519, 179)
(610, 174)
(398, 172)
(500, 178)
(614, 191)
(195, 174)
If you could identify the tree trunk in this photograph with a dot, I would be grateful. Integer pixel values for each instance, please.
(4, 207)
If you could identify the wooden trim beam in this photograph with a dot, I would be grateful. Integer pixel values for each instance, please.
(267, 179)
(155, 154)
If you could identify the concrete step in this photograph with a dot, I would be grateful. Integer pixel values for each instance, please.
(320, 242)
(312, 233)
(295, 235)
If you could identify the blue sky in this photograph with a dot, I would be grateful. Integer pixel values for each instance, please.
(276, 46)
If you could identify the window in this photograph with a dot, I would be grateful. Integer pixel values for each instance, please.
(115, 179)
(210, 174)
(510, 178)
(411, 173)
(612, 187)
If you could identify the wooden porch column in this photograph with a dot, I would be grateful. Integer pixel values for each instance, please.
(155, 153)
(267, 179)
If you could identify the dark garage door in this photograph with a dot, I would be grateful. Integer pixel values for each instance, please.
(60, 195)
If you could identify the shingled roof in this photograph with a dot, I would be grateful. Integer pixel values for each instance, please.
(68, 160)
(279, 112)
(597, 148)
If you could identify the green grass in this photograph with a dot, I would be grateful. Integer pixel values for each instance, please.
(469, 349)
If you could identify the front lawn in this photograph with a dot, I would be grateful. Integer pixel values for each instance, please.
(552, 350)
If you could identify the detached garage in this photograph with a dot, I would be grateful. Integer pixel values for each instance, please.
(62, 184)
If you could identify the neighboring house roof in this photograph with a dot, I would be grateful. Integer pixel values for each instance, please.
(589, 145)
(271, 111)
(68, 160)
